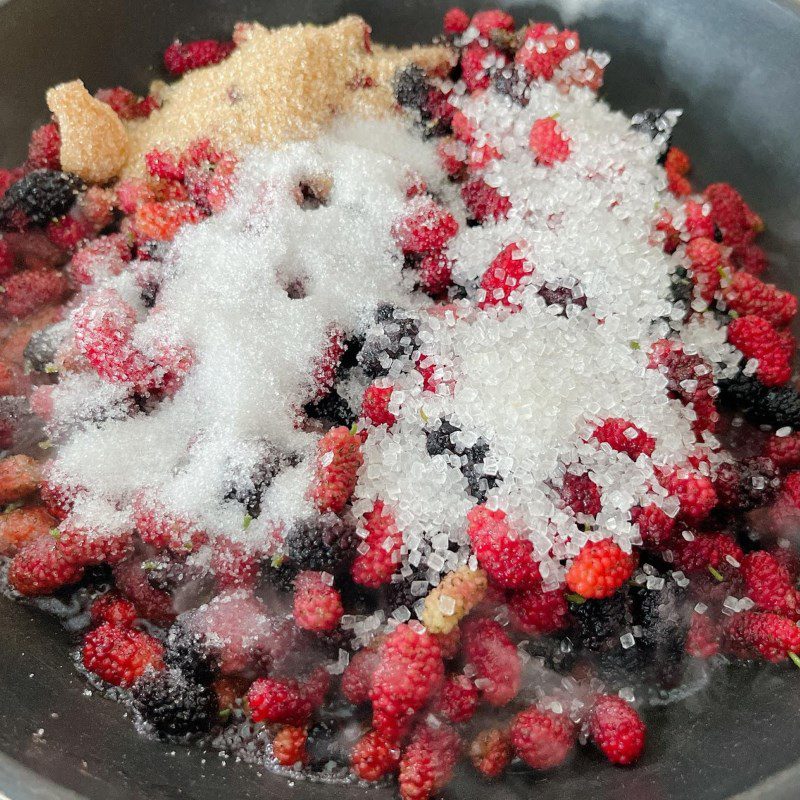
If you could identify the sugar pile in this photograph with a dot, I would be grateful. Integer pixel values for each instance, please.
(257, 291)
(535, 383)
(225, 291)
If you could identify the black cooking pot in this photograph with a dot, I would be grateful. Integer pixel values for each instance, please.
(733, 65)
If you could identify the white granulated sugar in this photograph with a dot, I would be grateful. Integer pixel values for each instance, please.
(593, 212)
(257, 291)
(82, 398)
(90, 507)
(529, 384)
(224, 292)
(285, 499)
(534, 384)
(702, 334)
(426, 496)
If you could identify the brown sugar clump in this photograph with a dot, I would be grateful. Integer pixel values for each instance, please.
(94, 144)
(278, 85)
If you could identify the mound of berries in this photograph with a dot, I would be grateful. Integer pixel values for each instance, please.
(449, 437)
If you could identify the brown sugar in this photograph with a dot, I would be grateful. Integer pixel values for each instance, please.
(94, 143)
(279, 85)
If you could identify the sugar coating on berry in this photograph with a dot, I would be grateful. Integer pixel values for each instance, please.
(617, 729)
(458, 699)
(506, 556)
(535, 612)
(41, 567)
(20, 477)
(494, 658)
(491, 752)
(548, 143)
(373, 757)
(180, 58)
(769, 585)
(119, 655)
(761, 634)
(409, 671)
(456, 20)
(379, 554)
(427, 762)
(317, 604)
(19, 526)
(277, 700)
(542, 738)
